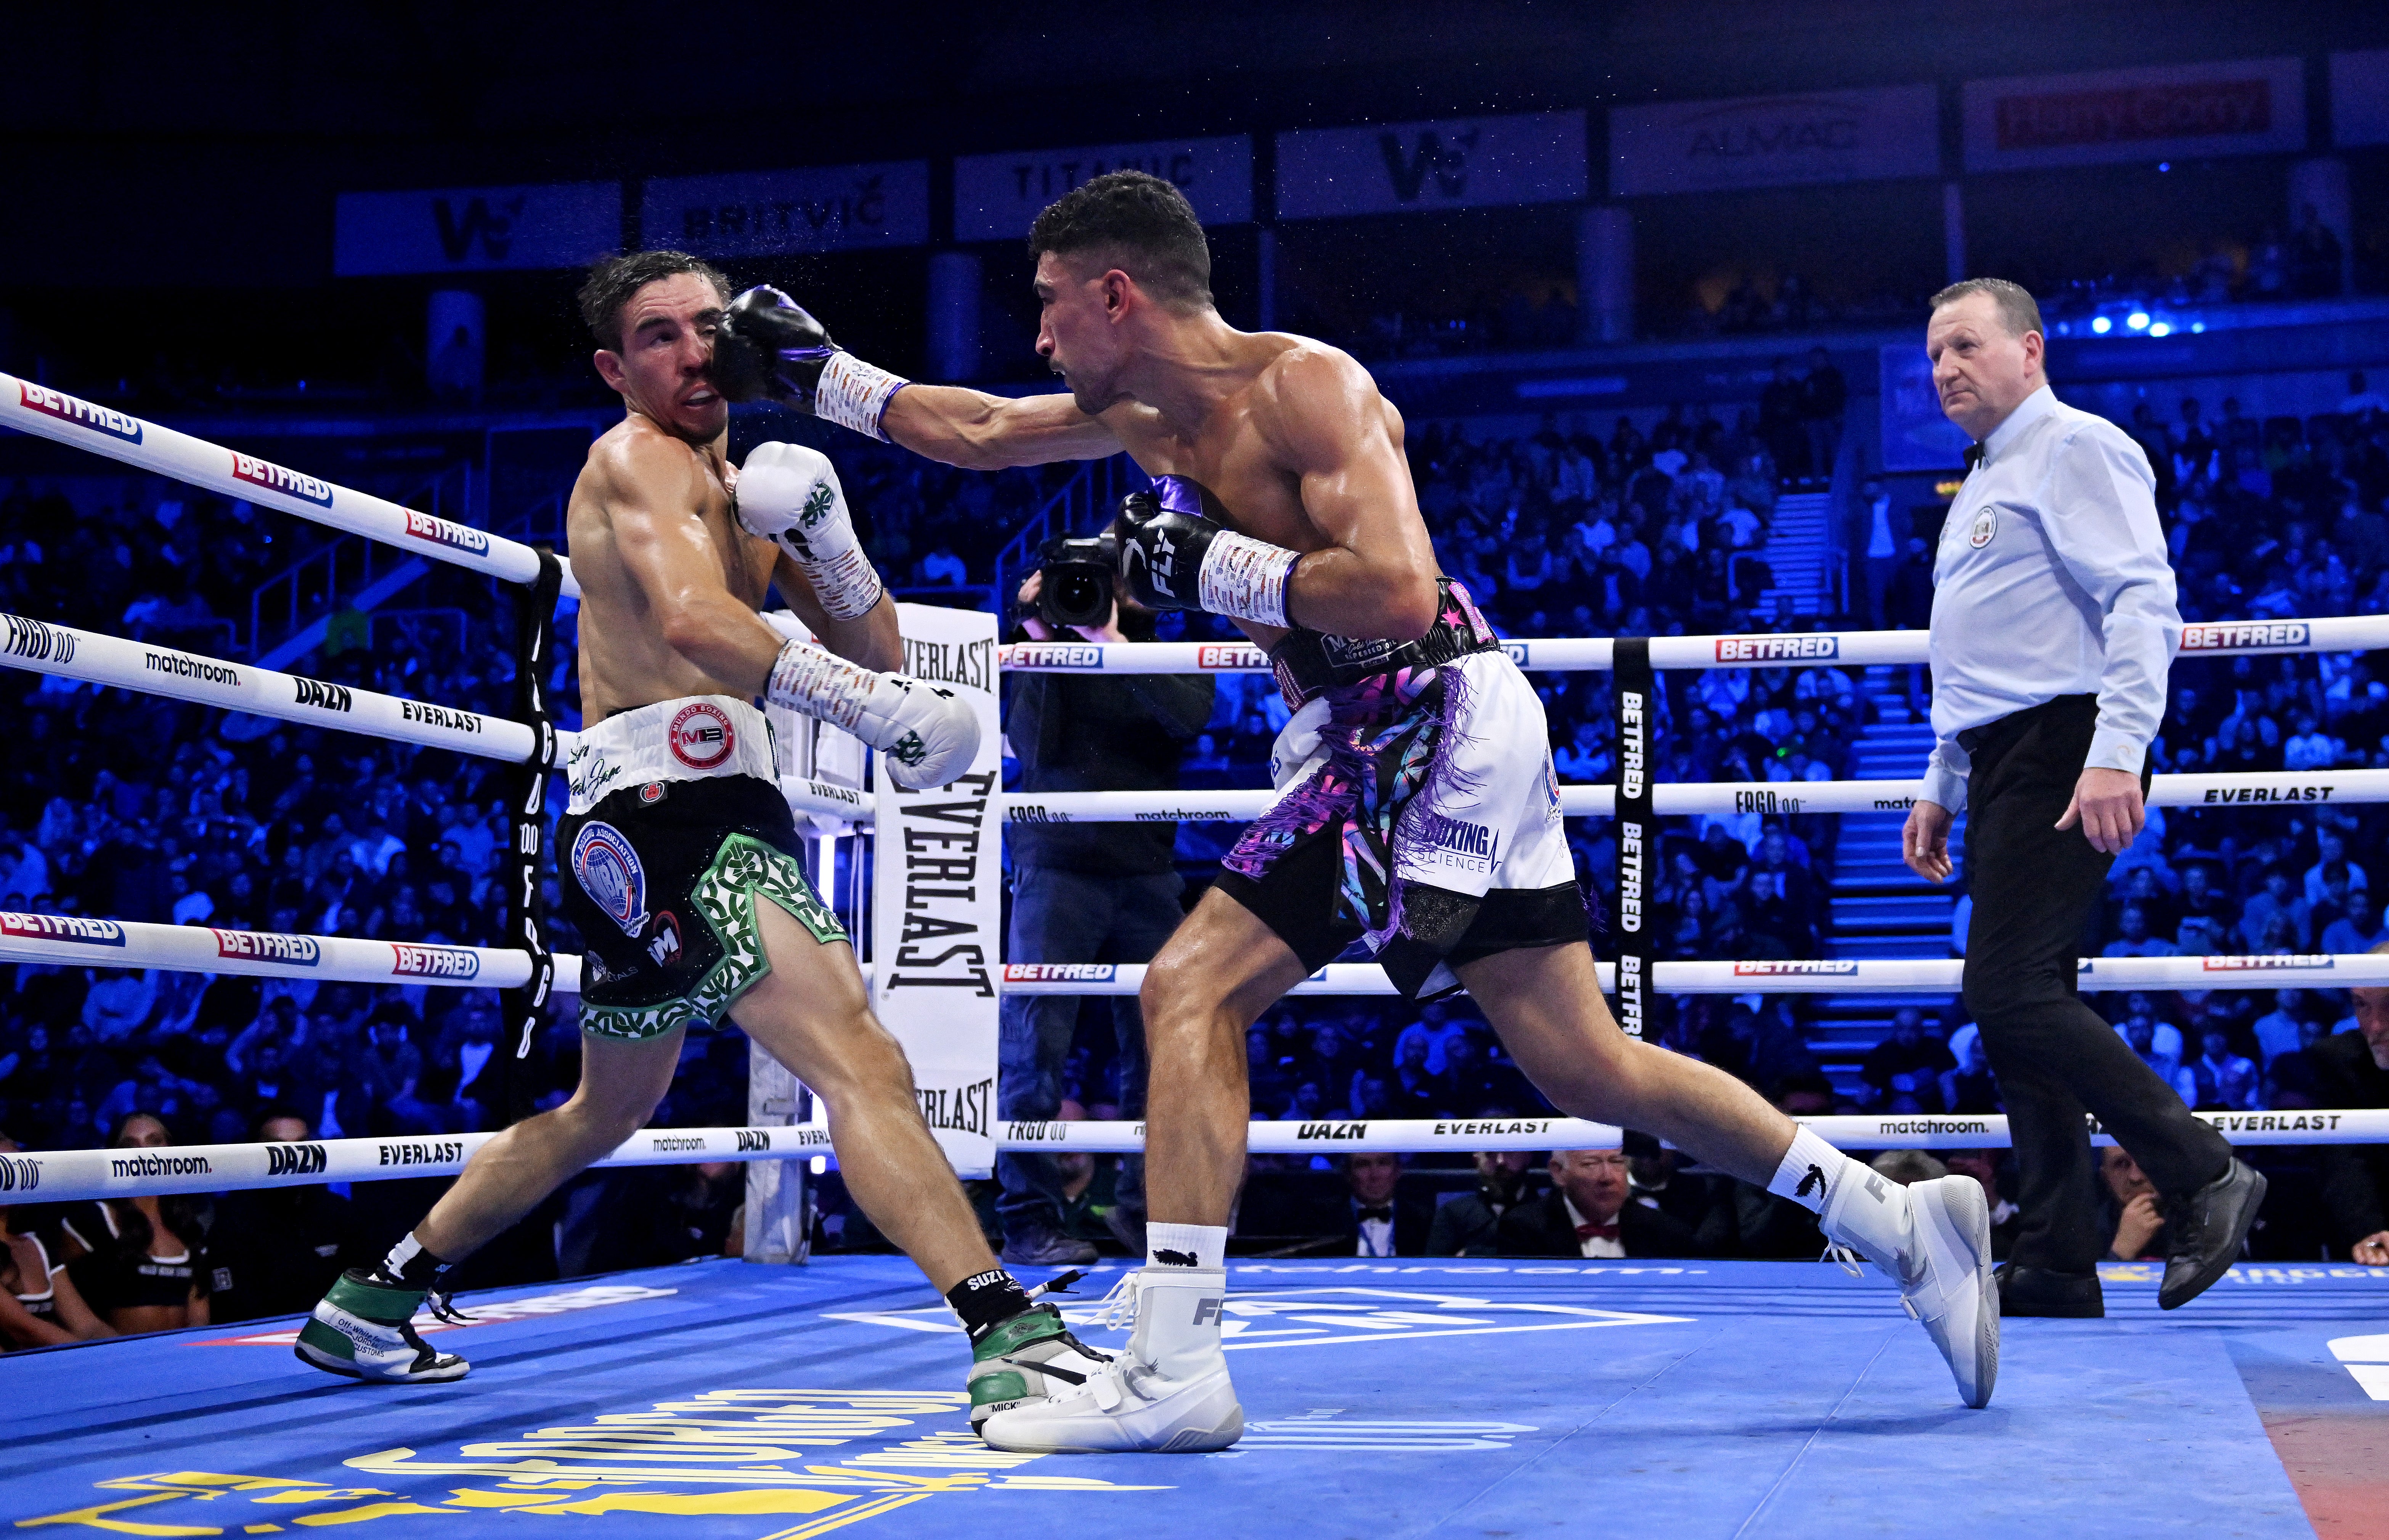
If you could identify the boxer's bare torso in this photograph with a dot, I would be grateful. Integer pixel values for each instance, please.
(1254, 455)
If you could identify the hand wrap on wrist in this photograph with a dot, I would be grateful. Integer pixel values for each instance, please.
(855, 394)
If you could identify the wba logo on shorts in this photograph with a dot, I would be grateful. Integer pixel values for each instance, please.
(701, 736)
(608, 871)
(295, 1160)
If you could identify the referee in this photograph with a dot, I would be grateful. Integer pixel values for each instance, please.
(2053, 626)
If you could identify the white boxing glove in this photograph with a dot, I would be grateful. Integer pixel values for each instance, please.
(789, 495)
(928, 735)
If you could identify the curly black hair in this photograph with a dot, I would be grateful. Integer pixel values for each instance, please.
(1139, 224)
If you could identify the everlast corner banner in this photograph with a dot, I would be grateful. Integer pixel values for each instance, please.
(937, 913)
(1637, 832)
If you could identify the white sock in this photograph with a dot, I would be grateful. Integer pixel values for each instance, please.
(1185, 1245)
(1810, 1171)
(1853, 1204)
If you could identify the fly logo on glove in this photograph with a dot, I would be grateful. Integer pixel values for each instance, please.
(1234, 574)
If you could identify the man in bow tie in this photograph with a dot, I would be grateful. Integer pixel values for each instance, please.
(1384, 1224)
(1586, 1214)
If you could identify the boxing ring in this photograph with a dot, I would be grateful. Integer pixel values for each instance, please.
(1713, 1398)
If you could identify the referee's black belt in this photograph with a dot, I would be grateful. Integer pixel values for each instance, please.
(1973, 738)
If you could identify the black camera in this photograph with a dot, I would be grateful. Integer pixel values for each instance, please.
(1077, 580)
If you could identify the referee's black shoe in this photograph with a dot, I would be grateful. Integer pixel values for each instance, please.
(2048, 1292)
(2204, 1231)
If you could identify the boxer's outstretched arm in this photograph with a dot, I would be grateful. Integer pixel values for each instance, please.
(978, 431)
(1344, 439)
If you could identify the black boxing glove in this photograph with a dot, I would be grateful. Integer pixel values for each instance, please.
(1173, 558)
(769, 347)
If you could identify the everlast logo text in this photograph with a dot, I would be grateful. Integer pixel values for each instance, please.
(940, 945)
(422, 1152)
(970, 664)
(439, 716)
(295, 1160)
(960, 1109)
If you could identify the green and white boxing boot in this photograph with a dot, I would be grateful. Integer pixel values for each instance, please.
(1027, 1358)
(1170, 1392)
(365, 1328)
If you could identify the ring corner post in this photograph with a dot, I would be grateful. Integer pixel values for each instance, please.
(527, 798)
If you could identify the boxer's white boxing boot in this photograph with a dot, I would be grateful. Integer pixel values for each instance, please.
(1170, 1392)
(1934, 1240)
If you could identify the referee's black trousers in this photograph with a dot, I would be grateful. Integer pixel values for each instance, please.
(2054, 1057)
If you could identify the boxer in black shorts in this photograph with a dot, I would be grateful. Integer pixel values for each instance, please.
(679, 856)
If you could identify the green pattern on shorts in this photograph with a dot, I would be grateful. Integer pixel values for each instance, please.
(744, 869)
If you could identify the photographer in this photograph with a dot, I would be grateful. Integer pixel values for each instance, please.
(1084, 893)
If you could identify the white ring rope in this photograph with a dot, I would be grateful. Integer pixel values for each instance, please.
(1803, 975)
(44, 646)
(60, 1176)
(1866, 1131)
(1599, 799)
(1785, 650)
(80, 424)
(78, 941)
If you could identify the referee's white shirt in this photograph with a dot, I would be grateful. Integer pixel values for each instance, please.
(2051, 579)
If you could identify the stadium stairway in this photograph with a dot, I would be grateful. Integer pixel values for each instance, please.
(1799, 543)
(1879, 908)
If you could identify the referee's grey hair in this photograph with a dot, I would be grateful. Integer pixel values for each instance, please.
(1909, 1165)
(2018, 312)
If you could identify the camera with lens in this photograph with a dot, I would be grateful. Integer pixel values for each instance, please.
(1077, 580)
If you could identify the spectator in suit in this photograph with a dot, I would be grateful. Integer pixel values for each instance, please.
(1586, 1214)
(1382, 1221)
(2352, 1070)
(1469, 1224)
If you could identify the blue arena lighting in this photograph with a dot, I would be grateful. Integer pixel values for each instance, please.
(2137, 320)
(2100, 324)
(2159, 328)
(2198, 325)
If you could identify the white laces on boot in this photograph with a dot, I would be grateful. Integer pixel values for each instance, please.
(1118, 1309)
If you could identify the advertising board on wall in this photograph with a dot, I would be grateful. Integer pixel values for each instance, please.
(1784, 140)
(1448, 163)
